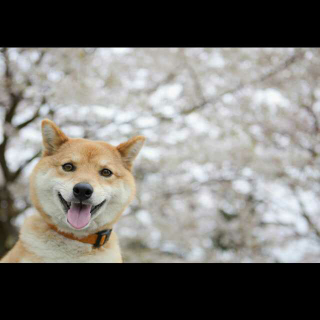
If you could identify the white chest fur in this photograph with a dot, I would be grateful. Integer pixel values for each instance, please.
(51, 247)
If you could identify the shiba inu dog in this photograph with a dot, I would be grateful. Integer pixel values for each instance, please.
(79, 189)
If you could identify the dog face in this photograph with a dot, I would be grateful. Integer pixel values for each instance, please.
(82, 186)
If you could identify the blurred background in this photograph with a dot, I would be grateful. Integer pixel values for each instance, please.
(230, 170)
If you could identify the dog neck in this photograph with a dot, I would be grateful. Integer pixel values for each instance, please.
(97, 239)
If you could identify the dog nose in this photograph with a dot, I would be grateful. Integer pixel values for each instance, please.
(82, 191)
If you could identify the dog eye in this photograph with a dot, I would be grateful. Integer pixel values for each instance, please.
(68, 167)
(106, 173)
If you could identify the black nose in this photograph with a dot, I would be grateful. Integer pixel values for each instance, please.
(82, 191)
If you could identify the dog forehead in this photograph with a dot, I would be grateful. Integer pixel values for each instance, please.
(81, 150)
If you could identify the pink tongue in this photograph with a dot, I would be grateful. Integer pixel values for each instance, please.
(79, 215)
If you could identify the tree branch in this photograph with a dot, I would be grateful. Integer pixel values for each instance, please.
(304, 213)
(3, 162)
(34, 117)
(16, 174)
(282, 66)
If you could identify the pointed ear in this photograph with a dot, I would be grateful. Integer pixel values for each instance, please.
(130, 149)
(52, 137)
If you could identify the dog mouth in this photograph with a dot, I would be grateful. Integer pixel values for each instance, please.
(79, 214)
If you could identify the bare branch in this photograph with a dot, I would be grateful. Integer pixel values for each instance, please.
(3, 162)
(16, 174)
(15, 98)
(34, 117)
(304, 213)
(194, 76)
(282, 66)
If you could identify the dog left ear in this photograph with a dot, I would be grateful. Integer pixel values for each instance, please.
(52, 137)
(130, 149)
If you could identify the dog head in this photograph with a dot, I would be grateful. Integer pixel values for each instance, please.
(82, 186)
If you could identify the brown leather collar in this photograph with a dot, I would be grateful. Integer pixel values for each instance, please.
(97, 240)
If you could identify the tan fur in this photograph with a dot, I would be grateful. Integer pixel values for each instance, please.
(39, 243)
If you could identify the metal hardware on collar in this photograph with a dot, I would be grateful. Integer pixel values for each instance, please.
(103, 235)
(97, 239)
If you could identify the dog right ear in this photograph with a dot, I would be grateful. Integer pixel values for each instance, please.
(52, 137)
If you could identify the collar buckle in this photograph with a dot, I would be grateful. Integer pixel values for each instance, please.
(103, 237)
